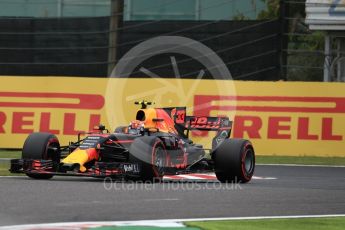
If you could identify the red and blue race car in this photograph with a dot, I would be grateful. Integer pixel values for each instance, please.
(156, 143)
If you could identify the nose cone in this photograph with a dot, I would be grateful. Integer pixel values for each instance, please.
(81, 156)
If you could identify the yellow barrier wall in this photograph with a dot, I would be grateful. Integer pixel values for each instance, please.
(280, 118)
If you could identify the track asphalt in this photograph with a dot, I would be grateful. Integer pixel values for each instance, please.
(295, 191)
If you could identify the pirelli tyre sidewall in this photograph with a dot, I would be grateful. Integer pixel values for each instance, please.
(36, 147)
(151, 155)
(234, 161)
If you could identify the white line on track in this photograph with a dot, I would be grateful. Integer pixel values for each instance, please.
(205, 177)
(152, 223)
(264, 178)
(187, 176)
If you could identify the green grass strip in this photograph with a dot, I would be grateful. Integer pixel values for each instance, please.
(336, 223)
(5, 165)
(4, 170)
(10, 153)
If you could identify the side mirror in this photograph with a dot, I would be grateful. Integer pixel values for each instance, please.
(99, 127)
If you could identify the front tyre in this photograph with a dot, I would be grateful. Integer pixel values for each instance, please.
(41, 146)
(234, 161)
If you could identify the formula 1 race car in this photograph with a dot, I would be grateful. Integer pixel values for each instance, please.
(155, 144)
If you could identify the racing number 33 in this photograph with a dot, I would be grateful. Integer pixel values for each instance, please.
(180, 116)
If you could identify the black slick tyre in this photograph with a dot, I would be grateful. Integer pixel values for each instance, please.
(41, 146)
(234, 161)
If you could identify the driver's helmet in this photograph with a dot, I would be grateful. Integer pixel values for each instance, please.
(136, 127)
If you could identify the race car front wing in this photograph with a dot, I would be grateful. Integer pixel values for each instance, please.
(100, 169)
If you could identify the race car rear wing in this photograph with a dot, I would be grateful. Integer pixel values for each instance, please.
(204, 123)
(207, 123)
(184, 124)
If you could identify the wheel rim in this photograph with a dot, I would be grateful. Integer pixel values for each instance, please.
(249, 162)
(159, 160)
(49, 153)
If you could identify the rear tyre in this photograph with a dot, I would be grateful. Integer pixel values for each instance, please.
(234, 161)
(150, 153)
(39, 146)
